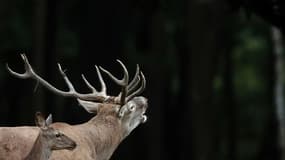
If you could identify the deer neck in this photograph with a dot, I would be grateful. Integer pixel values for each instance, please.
(107, 133)
(40, 150)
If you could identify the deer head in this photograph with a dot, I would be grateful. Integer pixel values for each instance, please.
(54, 139)
(126, 106)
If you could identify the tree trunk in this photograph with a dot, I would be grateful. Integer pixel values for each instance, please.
(269, 147)
(205, 22)
(279, 96)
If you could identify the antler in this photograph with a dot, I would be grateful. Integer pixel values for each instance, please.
(128, 91)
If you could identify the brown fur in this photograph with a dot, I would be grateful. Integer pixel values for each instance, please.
(95, 139)
(16, 142)
(98, 138)
(48, 140)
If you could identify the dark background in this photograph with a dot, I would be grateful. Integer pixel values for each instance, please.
(209, 67)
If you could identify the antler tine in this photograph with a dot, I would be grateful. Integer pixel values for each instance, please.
(103, 85)
(123, 82)
(135, 79)
(140, 89)
(96, 96)
(134, 82)
(66, 79)
(128, 91)
(28, 69)
(29, 73)
(74, 93)
(132, 88)
(93, 89)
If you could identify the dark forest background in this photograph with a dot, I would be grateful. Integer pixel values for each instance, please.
(212, 73)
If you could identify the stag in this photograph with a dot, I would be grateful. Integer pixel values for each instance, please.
(49, 139)
(116, 116)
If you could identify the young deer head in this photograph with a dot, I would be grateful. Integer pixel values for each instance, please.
(116, 116)
(49, 139)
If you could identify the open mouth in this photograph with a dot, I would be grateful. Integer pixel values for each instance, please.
(143, 118)
(71, 148)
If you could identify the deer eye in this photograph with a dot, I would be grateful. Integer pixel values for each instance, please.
(57, 135)
(132, 107)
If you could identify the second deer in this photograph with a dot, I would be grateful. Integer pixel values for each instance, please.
(49, 139)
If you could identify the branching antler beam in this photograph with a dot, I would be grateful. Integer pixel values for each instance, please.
(128, 90)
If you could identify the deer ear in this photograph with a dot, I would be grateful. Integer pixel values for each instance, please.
(91, 107)
(39, 120)
(49, 120)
